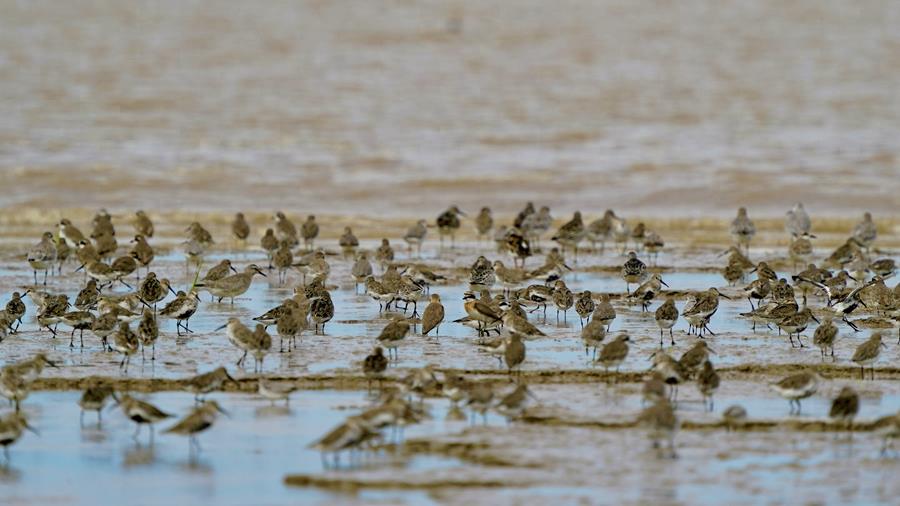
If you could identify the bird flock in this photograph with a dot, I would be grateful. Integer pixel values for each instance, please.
(504, 306)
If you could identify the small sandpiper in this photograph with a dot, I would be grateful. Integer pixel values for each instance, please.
(393, 335)
(276, 391)
(433, 315)
(825, 336)
(593, 335)
(94, 398)
(666, 317)
(796, 221)
(42, 256)
(743, 229)
(348, 242)
(384, 254)
(141, 413)
(867, 354)
(605, 313)
(269, 243)
(448, 223)
(374, 366)
(11, 428)
(571, 233)
(197, 421)
(484, 222)
(865, 232)
(585, 306)
(231, 286)
(844, 407)
(142, 224)
(633, 271)
(614, 353)
(208, 382)
(796, 387)
(125, 342)
(415, 236)
(662, 424)
(708, 383)
(646, 292)
(600, 230)
(309, 231)
(361, 269)
(181, 309)
(285, 230)
(321, 311)
(240, 229)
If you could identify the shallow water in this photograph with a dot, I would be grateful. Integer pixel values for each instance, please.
(361, 108)
(244, 456)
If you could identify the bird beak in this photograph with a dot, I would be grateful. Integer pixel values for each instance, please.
(812, 236)
(51, 363)
(664, 283)
(863, 303)
(173, 291)
(222, 327)
(752, 270)
(711, 350)
(231, 379)
(721, 295)
(79, 268)
(529, 393)
(263, 274)
(30, 428)
(883, 345)
(232, 268)
(814, 318)
(851, 277)
(222, 410)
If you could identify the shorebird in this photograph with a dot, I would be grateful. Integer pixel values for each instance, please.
(259, 346)
(374, 366)
(141, 413)
(563, 299)
(662, 424)
(181, 309)
(42, 256)
(433, 315)
(801, 249)
(153, 290)
(313, 265)
(123, 266)
(231, 286)
(571, 233)
(142, 224)
(865, 232)
(600, 230)
(276, 391)
(125, 342)
(796, 221)
(282, 260)
(11, 428)
(699, 314)
(14, 386)
(867, 354)
(653, 389)
(309, 231)
(361, 270)
(269, 243)
(693, 358)
(448, 223)
(796, 324)
(484, 222)
(518, 247)
(743, 229)
(605, 313)
(379, 292)
(513, 404)
(535, 225)
(673, 373)
(198, 420)
(321, 311)
(240, 229)
(825, 335)
(481, 312)
(614, 353)
(653, 244)
(845, 406)
(70, 233)
(197, 233)
(239, 335)
(80, 321)
(105, 244)
(289, 322)
(633, 271)
(393, 335)
(285, 230)
(148, 333)
(384, 254)
(348, 242)
(708, 383)
(514, 353)
(646, 292)
(219, 271)
(593, 335)
(415, 236)
(584, 306)
(666, 317)
(796, 387)
(94, 399)
(734, 416)
(208, 382)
